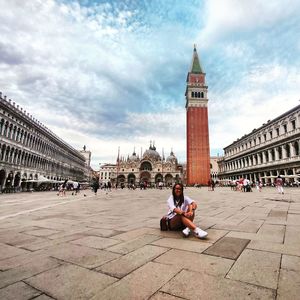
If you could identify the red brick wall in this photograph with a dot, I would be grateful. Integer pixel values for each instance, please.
(198, 155)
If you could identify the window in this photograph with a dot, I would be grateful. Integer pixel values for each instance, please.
(293, 124)
(285, 128)
(277, 131)
(259, 139)
(271, 134)
(265, 136)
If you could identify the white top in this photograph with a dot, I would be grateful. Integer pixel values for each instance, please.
(184, 207)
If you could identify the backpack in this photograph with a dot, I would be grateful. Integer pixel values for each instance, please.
(164, 224)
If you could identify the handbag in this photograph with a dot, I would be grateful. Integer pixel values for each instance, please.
(164, 223)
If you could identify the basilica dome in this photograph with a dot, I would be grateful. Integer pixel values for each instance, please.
(151, 153)
(172, 157)
(133, 157)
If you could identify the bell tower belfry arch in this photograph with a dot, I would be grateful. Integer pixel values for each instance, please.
(197, 135)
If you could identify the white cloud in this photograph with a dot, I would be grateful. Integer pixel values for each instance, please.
(110, 75)
(263, 93)
(230, 16)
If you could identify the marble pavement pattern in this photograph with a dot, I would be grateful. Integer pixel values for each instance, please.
(109, 246)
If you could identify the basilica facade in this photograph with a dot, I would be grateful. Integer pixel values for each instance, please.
(150, 169)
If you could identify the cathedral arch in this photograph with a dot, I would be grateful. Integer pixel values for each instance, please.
(158, 178)
(17, 179)
(145, 177)
(2, 177)
(131, 179)
(146, 166)
(121, 179)
(169, 180)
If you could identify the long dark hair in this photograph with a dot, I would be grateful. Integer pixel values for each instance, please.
(181, 197)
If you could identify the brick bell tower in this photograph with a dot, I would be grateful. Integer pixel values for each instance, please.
(198, 154)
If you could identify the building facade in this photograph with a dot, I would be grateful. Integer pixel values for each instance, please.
(266, 152)
(198, 153)
(30, 154)
(214, 168)
(150, 169)
(107, 173)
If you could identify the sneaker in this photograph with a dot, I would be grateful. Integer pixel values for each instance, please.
(186, 232)
(199, 233)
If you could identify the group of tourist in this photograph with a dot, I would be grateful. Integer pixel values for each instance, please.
(245, 185)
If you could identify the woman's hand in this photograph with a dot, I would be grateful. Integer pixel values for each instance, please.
(188, 214)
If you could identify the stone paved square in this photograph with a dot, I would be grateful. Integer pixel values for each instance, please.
(110, 246)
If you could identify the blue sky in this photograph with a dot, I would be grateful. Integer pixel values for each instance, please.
(112, 73)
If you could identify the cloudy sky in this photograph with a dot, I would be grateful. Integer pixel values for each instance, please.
(112, 73)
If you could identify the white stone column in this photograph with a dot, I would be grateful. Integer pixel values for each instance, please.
(276, 153)
(292, 150)
(269, 155)
(264, 160)
(258, 159)
(283, 152)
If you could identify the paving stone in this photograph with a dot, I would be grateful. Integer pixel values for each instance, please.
(103, 232)
(132, 245)
(196, 262)
(213, 235)
(41, 232)
(129, 262)
(257, 267)
(289, 279)
(17, 239)
(194, 285)
(293, 219)
(43, 297)
(7, 251)
(70, 282)
(163, 296)
(183, 244)
(272, 233)
(227, 247)
(288, 285)
(18, 291)
(31, 268)
(275, 247)
(48, 243)
(292, 235)
(140, 284)
(130, 235)
(274, 213)
(19, 260)
(95, 242)
(81, 255)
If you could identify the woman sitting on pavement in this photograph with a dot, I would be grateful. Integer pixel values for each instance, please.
(182, 212)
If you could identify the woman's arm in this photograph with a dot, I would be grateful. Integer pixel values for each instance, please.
(178, 211)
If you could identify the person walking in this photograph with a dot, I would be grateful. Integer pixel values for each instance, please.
(181, 213)
(279, 184)
(95, 187)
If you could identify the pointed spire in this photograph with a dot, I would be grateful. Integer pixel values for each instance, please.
(118, 158)
(196, 65)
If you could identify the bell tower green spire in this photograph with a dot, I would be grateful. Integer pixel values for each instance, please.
(196, 67)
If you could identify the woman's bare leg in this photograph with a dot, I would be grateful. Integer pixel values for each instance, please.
(188, 222)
